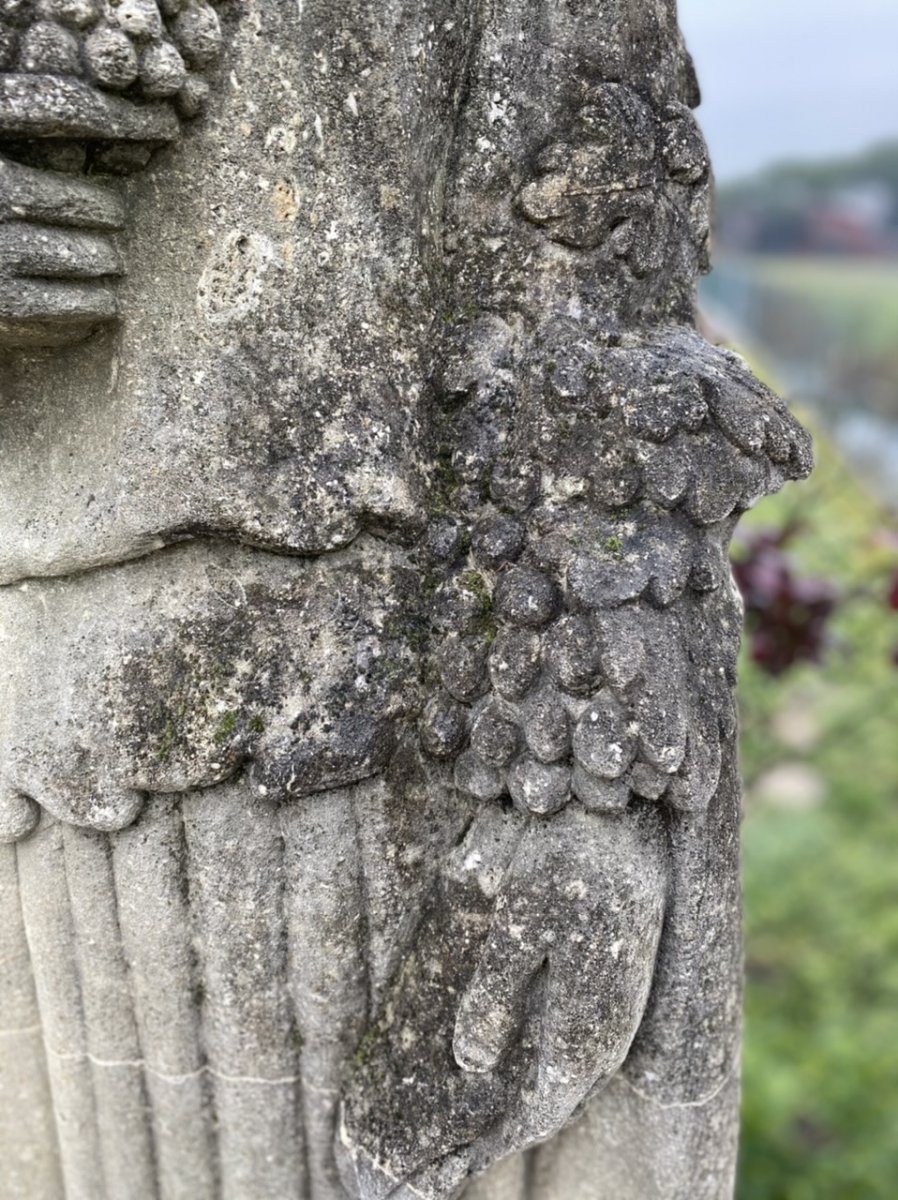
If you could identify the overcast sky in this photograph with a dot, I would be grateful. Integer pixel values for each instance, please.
(787, 78)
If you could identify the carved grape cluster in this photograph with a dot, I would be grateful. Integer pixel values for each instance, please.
(587, 634)
(548, 688)
(143, 49)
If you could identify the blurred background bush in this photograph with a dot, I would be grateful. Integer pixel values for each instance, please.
(801, 111)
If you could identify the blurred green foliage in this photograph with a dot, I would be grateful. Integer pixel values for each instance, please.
(855, 299)
(821, 872)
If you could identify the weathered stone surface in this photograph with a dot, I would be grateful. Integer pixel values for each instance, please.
(275, 257)
(185, 669)
(443, 1089)
(57, 258)
(84, 83)
(368, 802)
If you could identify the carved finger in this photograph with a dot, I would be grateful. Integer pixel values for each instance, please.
(29, 194)
(51, 313)
(595, 999)
(19, 814)
(492, 1008)
(44, 252)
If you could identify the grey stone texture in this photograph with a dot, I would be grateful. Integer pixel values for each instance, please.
(369, 807)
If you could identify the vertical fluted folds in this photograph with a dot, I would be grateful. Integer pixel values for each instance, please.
(100, 1055)
(326, 923)
(53, 945)
(235, 866)
(153, 889)
(29, 1161)
(110, 1034)
(199, 983)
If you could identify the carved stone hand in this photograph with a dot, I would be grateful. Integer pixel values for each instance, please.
(58, 257)
(99, 85)
(561, 973)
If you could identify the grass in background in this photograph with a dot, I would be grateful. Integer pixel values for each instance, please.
(856, 296)
(820, 755)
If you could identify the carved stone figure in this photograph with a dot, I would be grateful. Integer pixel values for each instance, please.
(368, 798)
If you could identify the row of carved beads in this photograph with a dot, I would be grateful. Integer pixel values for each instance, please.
(143, 48)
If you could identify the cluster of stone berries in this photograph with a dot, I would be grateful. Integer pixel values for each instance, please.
(150, 49)
(538, 702)
(564, 654)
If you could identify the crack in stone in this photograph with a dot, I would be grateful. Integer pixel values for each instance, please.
(168, 1077)
(700, 1103)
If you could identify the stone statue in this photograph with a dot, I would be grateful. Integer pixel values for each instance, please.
(368, 798)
